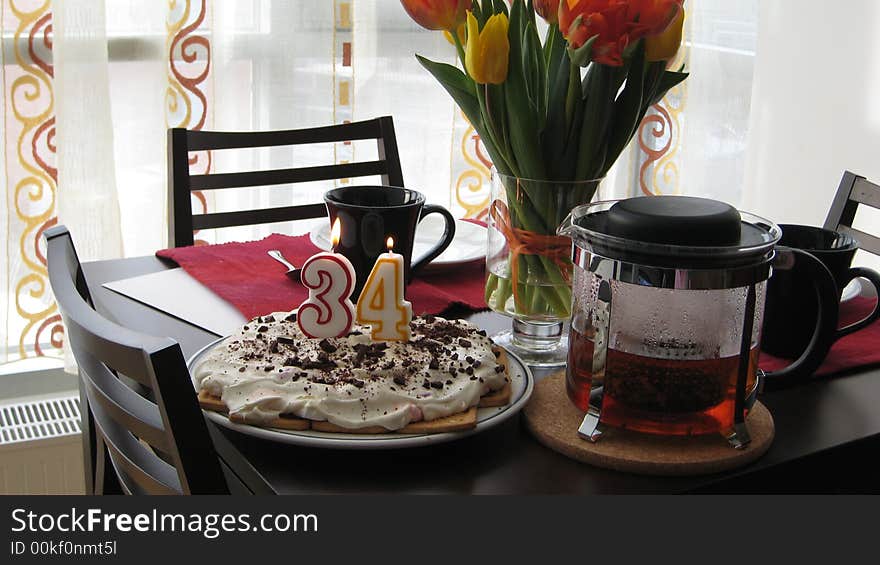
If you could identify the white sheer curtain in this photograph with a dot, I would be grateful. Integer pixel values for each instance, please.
(815, 111)
(779, 103)
(88, 202)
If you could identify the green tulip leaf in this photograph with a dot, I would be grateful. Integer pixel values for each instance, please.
(629, 106)
(668, 81)
(581, 55)
(458, 85)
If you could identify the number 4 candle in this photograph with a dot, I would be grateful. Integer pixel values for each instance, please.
(330, 278)
(381, 304)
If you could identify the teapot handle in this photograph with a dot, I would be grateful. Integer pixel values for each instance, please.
(826, 324)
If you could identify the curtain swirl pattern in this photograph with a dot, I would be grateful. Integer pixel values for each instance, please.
(90, 86)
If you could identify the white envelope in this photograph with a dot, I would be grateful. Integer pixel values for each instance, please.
(174, 292)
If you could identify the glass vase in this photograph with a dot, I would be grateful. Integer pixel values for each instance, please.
(528, 265)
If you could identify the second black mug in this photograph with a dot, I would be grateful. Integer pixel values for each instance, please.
(369, 215)
(799, 315)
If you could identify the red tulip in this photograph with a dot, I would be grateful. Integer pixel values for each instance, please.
(437, 14)
(548, 9)
(616, 22)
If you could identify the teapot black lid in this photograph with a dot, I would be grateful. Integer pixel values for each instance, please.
(674, 231)
(675, 220)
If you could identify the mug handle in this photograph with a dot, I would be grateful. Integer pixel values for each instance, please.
(825, 333)
(872, 277)
(445, 240)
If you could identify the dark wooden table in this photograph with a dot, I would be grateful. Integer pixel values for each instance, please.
(825, 432)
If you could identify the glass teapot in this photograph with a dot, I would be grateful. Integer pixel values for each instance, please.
(668, 302)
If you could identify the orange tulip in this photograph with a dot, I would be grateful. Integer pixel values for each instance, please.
(437, 14)
(548, 9)
(617, 23)
(664, 47)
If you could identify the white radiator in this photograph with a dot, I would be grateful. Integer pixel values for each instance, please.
(41, 445)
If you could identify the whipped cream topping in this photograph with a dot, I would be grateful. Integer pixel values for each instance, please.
(269, 367)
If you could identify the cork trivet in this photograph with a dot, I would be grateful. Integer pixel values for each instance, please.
(554, 420)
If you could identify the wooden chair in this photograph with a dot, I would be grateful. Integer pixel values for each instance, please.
(161, 447)
(852, 191)
(182, 222)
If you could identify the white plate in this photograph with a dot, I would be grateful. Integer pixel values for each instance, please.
(850, 291)
(521, 383)
(469, 243)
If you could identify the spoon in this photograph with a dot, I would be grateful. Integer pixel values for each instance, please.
(292, 270)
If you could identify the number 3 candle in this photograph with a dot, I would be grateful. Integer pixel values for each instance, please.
(381, 303)
(330, 278)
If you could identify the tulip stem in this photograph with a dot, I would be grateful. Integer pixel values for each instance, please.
(460, 48)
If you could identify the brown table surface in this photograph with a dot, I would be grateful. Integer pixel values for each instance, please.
(825, 430)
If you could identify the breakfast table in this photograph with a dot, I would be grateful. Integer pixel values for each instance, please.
(824, 429)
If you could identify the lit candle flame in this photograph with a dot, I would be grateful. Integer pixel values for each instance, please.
(390, 243)
(334, 233)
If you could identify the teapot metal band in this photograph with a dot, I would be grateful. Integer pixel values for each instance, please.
(672, 278)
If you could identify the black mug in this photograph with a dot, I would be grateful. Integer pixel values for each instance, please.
(801, 312)
(369, 215)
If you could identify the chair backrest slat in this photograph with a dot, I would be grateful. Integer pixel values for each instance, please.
(181, 184)
(204, 140)
(852, 191)
(140, 471)
(286, 176)
(245, 218)
(134, 429)
(137, 414)
(867, 241)
(120, 347)
(866, 192)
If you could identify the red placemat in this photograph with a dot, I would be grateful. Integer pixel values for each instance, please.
(246, 277)
(860, 349)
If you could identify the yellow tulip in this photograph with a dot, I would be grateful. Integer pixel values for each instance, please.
(487, 49)
(664, 47)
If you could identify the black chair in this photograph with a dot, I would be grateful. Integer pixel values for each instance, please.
(181, 221)
(154, 447)
(852, 191)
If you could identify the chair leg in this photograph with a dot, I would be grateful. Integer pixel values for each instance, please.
(87, 425)
(106, 481)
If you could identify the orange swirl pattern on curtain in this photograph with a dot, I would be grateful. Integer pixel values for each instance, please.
(659, 135)
(189, 65)
(471, 185)
(31, 176)
(659, 125)
(343, 78)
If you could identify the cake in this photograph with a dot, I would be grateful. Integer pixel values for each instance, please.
(270, 374)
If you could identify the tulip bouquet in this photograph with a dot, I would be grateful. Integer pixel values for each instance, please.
(554, 115)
